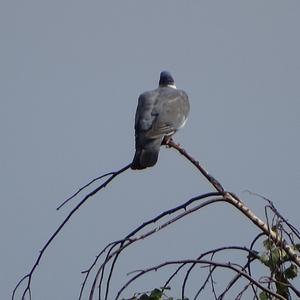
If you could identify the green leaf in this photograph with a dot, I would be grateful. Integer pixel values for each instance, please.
(282, 290)
(284, 256)
(275, 256)
(268, 244)
(263, 296)
(264, 258)
(156, 294)
(297, 247)
(291, 272)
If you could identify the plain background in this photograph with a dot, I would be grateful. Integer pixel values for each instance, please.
(70, 75)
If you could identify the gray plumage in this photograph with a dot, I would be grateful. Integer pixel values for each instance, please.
(160, 113)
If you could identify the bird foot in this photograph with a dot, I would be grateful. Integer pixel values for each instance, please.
(167, 141)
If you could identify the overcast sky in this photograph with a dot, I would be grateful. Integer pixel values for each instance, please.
(70, 75)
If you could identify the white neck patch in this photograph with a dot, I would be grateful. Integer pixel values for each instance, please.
(173, 86)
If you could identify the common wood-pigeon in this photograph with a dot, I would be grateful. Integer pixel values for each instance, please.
(160, 113)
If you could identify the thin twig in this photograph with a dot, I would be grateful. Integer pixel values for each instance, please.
(128, 241)
(236, 202)
(221, 249)
(276, 212)
(170, 143)
(82, 188)
(205, 282)
(129, 238)
(29, 275)
(205, 262)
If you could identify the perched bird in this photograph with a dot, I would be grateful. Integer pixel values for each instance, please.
(160, 113)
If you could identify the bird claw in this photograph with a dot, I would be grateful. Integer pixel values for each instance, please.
(167, 141)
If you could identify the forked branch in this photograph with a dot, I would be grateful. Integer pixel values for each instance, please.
(150, 227)
(236, 202)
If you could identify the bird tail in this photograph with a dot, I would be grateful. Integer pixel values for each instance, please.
(146, 155)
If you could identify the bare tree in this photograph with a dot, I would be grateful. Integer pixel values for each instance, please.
(278, 238)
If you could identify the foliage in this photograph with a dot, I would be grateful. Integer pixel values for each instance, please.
(281, 269)
(156, 294)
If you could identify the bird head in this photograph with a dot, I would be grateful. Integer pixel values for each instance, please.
(166, 79)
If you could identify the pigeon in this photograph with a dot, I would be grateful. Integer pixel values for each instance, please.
(159, 114)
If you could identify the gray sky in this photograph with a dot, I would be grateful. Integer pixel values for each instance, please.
(70, 75)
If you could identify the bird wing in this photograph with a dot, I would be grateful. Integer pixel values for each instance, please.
(144, 116)
(161, 112)
(170, 112)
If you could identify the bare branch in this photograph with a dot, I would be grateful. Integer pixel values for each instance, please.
(129, 239)
(221, 249)
(29, 275)
(217, 185)
(82, 188)
(206, 263)
(205, 282)
(132, 240)
(108, 261)
(276, 212)
(236, 202)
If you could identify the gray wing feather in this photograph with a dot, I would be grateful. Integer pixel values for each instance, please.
(170, 111)
(144, 117)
